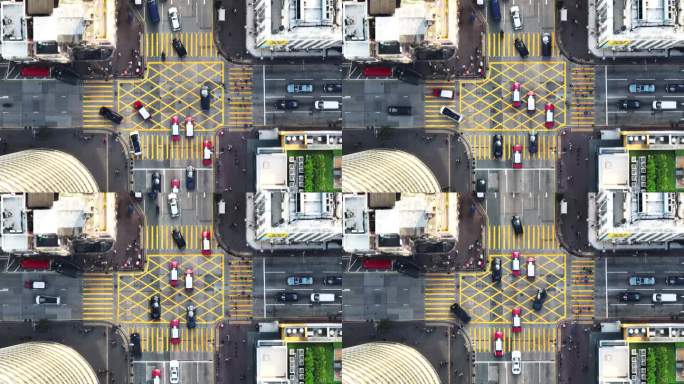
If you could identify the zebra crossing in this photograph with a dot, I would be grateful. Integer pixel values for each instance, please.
(481, 146)
(432, 104)
(162, 147)
(582, 289)
(439, 295)
(499, 45)
(157, 338)
(538, 236)
(198, 44)
(158, 237)
(239, 290)
(529, 339)
(96, 94)
(582, 86)
(98, 297)
(239, 85)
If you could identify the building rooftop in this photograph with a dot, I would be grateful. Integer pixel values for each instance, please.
(271, 364)
(271, 172)
(613, 362)
(613, 169)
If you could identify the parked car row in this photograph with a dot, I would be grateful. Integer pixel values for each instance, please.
(321, 105)
(651, 280)
(656, 298)
(309, 280)
(309, 88)
(314, 298)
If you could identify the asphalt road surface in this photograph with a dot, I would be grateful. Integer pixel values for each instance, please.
(612, 277)
(612, 84)
(18, 302)
(40, 103)
(271, 277)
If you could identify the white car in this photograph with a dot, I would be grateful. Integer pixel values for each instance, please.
(516, 18)
(516, 362)
(173, 205)
(174, 372)
(189, 127)
(174, 19)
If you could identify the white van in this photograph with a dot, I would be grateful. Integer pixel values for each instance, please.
(664, 298)
(325, 105)
(664, 105)
(322, 297)
(188, 280)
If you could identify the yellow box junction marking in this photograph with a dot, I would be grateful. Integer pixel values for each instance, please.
(136, 289)
(491, 303)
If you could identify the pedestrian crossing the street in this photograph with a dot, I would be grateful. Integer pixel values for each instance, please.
(481, 146)
(158, 237)
(499, 45)
(439, 295)
(97, 94)
(240, 98)
(529, 339)
(98, 297)
(157, 338)
(432, 105)
(239, 290)
(582, 86)
(162, 147)
(198, 44)
(582, 289)
(538, 236)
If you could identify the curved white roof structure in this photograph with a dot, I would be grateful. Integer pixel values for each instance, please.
(386, 363)
(44, 170)
(44, 363)
(382, 170)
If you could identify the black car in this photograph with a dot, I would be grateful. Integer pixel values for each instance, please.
(332, 280)
(628, 104)
(190, 313)
(674, 280)
(67, 268)
(532, 143)
(285, 297)
(66, 75)
(480, 188)
(156, 181)
(179, 48)
(332, 88)
(539, 299)
(110, 115)
(407, 267)
(155, 308)
(395, 110)
(190, 177)
(177, 237)
(460, 313)
(205, 97)
(286, 104)
(521, 48)
(674, 88)
(546, 45)
(496, 270)
(497, 146)
(408, 75)
(516, 222)
(629, 296)
(134, 346)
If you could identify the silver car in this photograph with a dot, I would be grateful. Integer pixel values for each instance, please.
(174, 19)
(516, 362)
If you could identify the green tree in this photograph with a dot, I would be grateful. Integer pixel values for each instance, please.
(651, 174)
(650, 367)
(308, 367)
